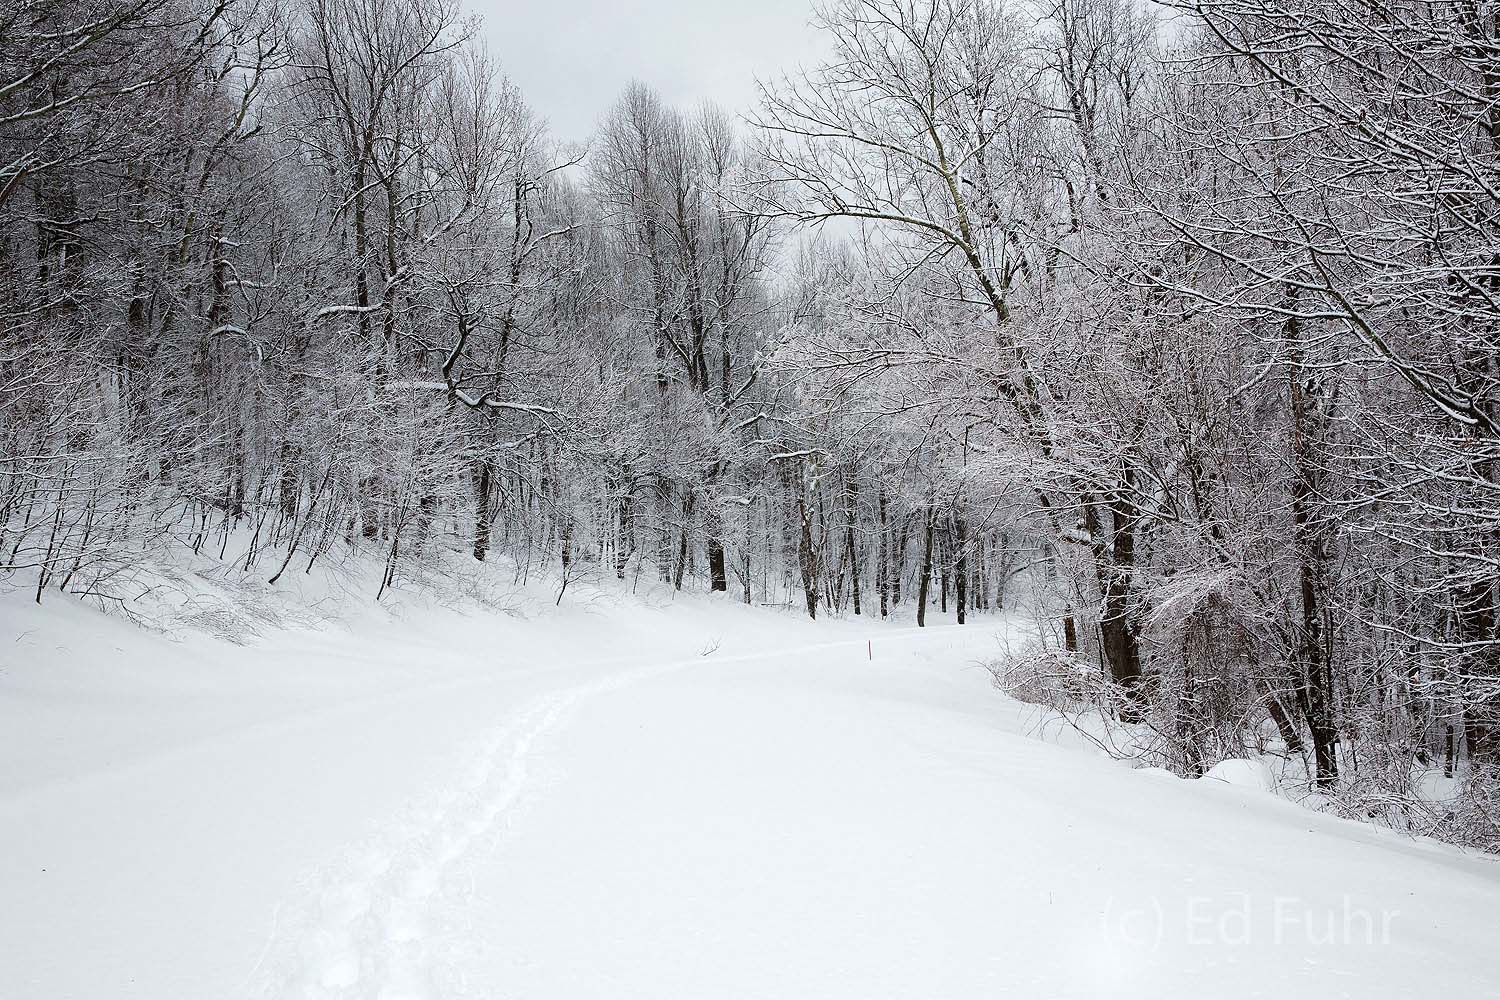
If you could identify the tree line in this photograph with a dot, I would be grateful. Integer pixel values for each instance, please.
(1171, 331)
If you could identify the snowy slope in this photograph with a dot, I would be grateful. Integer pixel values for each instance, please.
(585, 805)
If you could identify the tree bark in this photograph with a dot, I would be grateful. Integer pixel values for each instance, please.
(625, 533)
(718, 578)
(682, 542)
(882, 563)
(851, 503)
(925, 580)
(1118, 632)
(1311, 548)
(482, 510)
(807, 558)
(960, 566)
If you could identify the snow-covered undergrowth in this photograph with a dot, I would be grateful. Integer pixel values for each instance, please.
(225, 591)
(1071, 702)
(473, 789)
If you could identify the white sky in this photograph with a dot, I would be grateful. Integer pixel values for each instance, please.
(572, 58)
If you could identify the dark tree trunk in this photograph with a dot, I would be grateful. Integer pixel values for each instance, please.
(1290, 735)
(898, 560)
(625, 537)
(361, 250)
(925, 580)
(1114, 563)
(807, 558)
(960, 567)
(1476, 627)
(713, 540)
(682, 543)
(1070, 623)
(882, 563)
(482, 510)
(1118, 632)
(851, 504)
(664, 529)
(745, 558)
(717, 576)
(1311, 545)
(290, 490)
(943, 563)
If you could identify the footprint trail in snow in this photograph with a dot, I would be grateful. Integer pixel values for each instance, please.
(369, 935)
(366, 935)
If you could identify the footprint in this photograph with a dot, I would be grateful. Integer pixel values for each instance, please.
(369, 936)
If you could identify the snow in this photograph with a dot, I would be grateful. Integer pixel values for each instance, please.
(650, 798)
(1252, 774)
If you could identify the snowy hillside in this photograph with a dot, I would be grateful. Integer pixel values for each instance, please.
(685, 800)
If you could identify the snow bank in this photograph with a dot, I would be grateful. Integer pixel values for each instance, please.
(1252, 774)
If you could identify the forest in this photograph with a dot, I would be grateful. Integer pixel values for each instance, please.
(1171, 330)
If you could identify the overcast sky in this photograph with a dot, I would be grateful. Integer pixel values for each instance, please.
(572, 58)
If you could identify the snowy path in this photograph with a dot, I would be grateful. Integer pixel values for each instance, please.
(586, 807)
(824, 826)
(370, 934)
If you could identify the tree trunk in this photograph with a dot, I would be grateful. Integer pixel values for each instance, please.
(682, 542)
(1117, 630)
(718, 578)
(1114, 563)
(925, 580)
(882, 563)
(482, 510)
(807, 558)
(944, 561)
(361, 250)
(898, 560)
(1284, 724)
(851, 503)
(625, 534)
(664, 529)
(1312, 552)
(960, 566)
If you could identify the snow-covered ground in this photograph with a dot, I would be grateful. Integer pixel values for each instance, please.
(670, 800)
